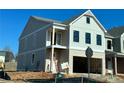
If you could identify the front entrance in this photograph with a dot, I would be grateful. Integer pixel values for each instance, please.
(80, 65)
(109, 65)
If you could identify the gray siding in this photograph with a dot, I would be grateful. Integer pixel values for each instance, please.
(32, 25)
(25, 61)
(32, 44)
(116, 44)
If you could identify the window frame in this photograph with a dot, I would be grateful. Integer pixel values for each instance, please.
(75, 36)
(88, 20)
(108, 44)
(88, 38)
(98, 39)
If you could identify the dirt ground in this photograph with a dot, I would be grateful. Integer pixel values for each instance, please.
(34, 75)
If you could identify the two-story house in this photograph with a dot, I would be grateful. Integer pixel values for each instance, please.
(52, 46)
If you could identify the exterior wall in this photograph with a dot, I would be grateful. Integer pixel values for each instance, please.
(10, 66)
(93, 28)
(25, 61)
(32, 44)
(116, 44)
(32, 25)
(81, 53)
(62, 57)
(35, 41)
(78, 48)
(122, 43)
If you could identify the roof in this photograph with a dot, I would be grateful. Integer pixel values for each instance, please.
(116, 31)
(87, 13)
(34, 23)
(71, 19)
(108, 35)
(2, 53)
(45, 19)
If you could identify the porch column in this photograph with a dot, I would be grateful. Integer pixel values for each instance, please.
(115, 57)
(52, 50)
(103, 66)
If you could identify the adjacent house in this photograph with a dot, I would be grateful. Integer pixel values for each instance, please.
(116, 56)
(6, 56)
(53, 46)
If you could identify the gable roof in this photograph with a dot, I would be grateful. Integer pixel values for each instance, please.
(116, 31)
(107, 35)
(46, 19)
(87, 13)
(71, 19)
(34, 23)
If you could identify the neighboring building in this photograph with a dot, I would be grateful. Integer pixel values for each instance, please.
(116, 56)
(6, 56)
(52, 46)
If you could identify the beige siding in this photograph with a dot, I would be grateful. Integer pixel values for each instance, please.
(93, 28)
(81, 53)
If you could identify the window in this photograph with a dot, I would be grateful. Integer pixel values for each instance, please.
(76, 36)
(58, 38)
(32, 58)
(88, 20)
(109, 44)
(99, 40)
(88, 38)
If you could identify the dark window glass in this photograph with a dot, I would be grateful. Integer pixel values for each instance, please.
(99, 40)
(109, 44)
(32, 58)
(76, 36)
(88, 20)
(88, 38)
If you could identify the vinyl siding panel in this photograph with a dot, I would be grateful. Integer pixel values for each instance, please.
(116, 45)
(93, 28)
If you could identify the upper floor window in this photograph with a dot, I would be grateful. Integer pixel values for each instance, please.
(99, 39)
(76, 36)
(109, 44)
(88, 20)
(88, 38)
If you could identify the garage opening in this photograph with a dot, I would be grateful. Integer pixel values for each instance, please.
(80, 65)
(120, 65)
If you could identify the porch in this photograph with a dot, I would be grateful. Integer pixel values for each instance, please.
(56, 49)
(114, 63)
(58, 62)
